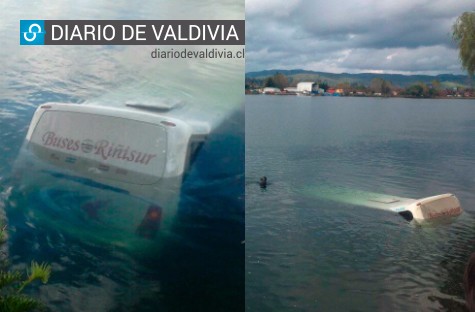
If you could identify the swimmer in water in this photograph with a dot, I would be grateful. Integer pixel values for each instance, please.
(263, 182)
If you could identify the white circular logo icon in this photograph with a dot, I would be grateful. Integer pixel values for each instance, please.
(32, 33)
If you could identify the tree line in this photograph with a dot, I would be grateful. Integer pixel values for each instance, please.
(377, 86)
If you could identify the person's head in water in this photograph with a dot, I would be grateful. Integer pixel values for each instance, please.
(469, 283)
(263, 182)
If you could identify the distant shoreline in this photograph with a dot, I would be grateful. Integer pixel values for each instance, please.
(375, 96)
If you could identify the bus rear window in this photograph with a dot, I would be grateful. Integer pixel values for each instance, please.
(114, 148)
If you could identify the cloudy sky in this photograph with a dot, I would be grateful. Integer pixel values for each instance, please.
(353, 36)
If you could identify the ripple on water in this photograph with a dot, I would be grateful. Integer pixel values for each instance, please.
(317, 254)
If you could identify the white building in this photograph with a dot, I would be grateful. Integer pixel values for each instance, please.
(270, 90)
(291, 89)
(307, 87)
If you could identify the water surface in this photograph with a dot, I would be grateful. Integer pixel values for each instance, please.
(304, 253)
(200, 265)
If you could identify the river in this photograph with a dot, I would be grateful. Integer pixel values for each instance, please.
(307, 253)
(200, 264)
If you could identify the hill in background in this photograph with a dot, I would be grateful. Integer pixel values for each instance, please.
(296, 75)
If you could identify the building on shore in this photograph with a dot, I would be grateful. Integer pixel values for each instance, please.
(291, 89)
(271, 90)
(307, 87)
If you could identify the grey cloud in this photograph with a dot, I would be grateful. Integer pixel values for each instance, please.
(353, 35)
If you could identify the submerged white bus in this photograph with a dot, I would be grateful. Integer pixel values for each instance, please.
(135, 153)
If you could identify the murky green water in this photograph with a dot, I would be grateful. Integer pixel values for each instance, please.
(199, 265)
